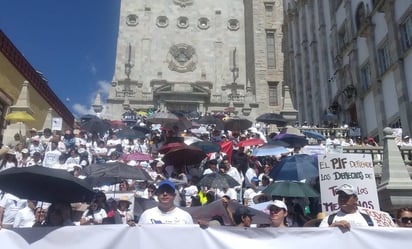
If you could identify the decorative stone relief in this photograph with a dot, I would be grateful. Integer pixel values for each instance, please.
(183, 22)
(132, 20)
(182, 58)
(162, 21)
(203, 23)
(183, 3)
(233, 24)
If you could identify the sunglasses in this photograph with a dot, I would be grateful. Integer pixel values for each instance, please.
(405, 220)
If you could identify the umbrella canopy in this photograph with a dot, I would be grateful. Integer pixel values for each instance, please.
(187, 155)
(292, 139)
(314, 135)
(191, 139)
(269, 150)
(296, 168)
(211, 120)
(272, 118)
(207, 146)
(112, 173)
(130, 134)
(143, 129)
(218, 180)
(95, 125)
(182, 124)
(117, 124)
(290, 189)
(237, 124)
(136, 156)
(250, 142)
(329, 116)
(170, 146)
(45, 184)
(162, 118)
(19, 117)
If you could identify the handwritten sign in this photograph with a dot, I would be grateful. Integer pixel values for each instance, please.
(382, 219)
(354, 169)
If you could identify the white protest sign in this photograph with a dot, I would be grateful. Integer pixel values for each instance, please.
(57, 124)
(345, 168)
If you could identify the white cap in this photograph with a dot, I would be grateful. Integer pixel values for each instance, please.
(278, 203)
(347, 189)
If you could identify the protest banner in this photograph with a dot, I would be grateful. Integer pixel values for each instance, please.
(354, 169)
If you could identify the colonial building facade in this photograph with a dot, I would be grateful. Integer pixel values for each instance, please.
(199, 56)
(23, 89)
(348, 62)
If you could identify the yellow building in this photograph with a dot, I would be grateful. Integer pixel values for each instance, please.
(22, 89)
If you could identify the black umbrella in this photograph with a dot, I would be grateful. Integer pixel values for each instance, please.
(207, 146)
(130, 133)
(112, 173)
(95, 125)
(292, 139)
(272, 118)
(45, 184)
(211, 120)
(218, 180)
(143, 129)
(185, 155)
(237, 124)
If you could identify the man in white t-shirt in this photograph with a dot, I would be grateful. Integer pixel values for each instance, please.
(9, 206)
(349, 214)
(166, 212)
(25, 217)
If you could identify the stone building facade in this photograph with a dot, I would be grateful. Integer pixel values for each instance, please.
(348, 62)
(199, 56)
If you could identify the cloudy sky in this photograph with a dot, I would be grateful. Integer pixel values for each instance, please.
(73, 43)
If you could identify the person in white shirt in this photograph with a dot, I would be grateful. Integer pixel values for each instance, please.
(212, 167)
(232, 171)
(51, 157)
(9, 206)
(26, 217)
(93, 215)
(166, 212)
(250, 192)
(348, 215)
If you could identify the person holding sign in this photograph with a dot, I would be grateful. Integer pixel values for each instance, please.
(348, 215)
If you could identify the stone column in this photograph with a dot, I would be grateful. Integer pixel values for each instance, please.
(395, 190)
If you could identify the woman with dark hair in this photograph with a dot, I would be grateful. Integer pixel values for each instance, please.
(59, 214)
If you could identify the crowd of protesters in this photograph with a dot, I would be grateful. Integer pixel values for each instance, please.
(75, 149)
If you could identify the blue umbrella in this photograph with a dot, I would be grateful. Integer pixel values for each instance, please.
(296, 168)
(207, 146)
(315, 135)
(269, 150)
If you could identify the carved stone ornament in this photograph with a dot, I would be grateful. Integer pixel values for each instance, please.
(183, 3)
(182, 58)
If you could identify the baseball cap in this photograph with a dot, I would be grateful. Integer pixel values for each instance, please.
(254, 179)
(166, 183)
(278, 203)
(347, 189)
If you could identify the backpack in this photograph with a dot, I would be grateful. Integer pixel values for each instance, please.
(365, 216)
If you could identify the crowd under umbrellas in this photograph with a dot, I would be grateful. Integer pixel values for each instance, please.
(129, 161)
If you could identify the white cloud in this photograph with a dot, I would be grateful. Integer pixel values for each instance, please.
(103, 87)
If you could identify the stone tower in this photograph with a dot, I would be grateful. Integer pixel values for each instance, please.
(197, 56)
